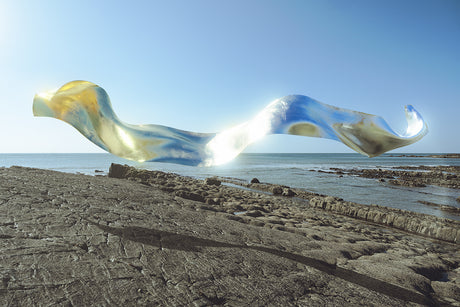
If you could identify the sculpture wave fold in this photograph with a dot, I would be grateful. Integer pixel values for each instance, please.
(87, 107)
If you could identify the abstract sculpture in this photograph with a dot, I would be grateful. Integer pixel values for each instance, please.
(86, 106)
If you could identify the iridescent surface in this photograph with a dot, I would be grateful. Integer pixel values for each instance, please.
(86, 106)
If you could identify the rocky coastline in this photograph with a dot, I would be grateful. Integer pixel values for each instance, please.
(155, 238)
(440, 156)
(410, 176)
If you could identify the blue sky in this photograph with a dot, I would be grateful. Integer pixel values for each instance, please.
(207, 65)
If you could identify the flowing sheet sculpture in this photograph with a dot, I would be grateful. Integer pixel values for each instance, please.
(86, 106)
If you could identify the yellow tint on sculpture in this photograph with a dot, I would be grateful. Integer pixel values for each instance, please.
(87, 107)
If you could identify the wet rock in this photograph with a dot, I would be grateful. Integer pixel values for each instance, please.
(450, 209)
(444, 176)
(458, 199)
(255, 180)
(407, 183)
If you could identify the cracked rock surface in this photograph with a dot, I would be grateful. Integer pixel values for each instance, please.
(163, 239)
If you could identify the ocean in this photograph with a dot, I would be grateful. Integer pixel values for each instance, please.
(294, 170)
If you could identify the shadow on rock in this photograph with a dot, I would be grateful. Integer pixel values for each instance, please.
(169, 240)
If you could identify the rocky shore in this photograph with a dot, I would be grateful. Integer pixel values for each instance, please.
(421, 176)
(442, 156)
(155, 238)
(411, 176)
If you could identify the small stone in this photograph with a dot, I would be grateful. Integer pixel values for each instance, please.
(254, 213)
(213, 201)
(288, 192)
(458, 199)
(190, 195)
(210, 201)
(256, 207)
(255, 180)
(82, 245)
(256, 223)
(279, 227)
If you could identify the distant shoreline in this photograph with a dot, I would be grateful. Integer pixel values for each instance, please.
(387, 154)
(441, 156)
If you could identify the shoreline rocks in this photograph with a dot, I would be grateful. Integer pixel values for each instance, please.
(421, 176)
(445, 208)
(156, 238)
(443, 156)
(421, 224)
(212, 181)
(417, 223)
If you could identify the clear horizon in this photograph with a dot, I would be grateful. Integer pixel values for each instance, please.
(245, 152)
(205, 66)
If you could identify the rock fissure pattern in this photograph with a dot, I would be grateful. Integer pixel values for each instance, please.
(129, 243)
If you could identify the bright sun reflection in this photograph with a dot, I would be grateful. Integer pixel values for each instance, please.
(414, 121)
(125, 138)
(225, 146)
(47, 95)
(87, 107)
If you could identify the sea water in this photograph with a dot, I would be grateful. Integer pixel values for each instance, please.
(294, 170)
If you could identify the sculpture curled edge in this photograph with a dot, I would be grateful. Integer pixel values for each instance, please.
(87, 107)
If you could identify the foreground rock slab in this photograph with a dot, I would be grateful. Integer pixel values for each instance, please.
(80, 240)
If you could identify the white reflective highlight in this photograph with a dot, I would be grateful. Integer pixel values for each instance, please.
(87, 107)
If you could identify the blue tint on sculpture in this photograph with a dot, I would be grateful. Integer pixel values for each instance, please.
(87, 107)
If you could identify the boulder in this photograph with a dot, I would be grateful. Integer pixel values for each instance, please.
(288, 192)
(118, 170)
(277, 190)
(212, 181)
(255, 180)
